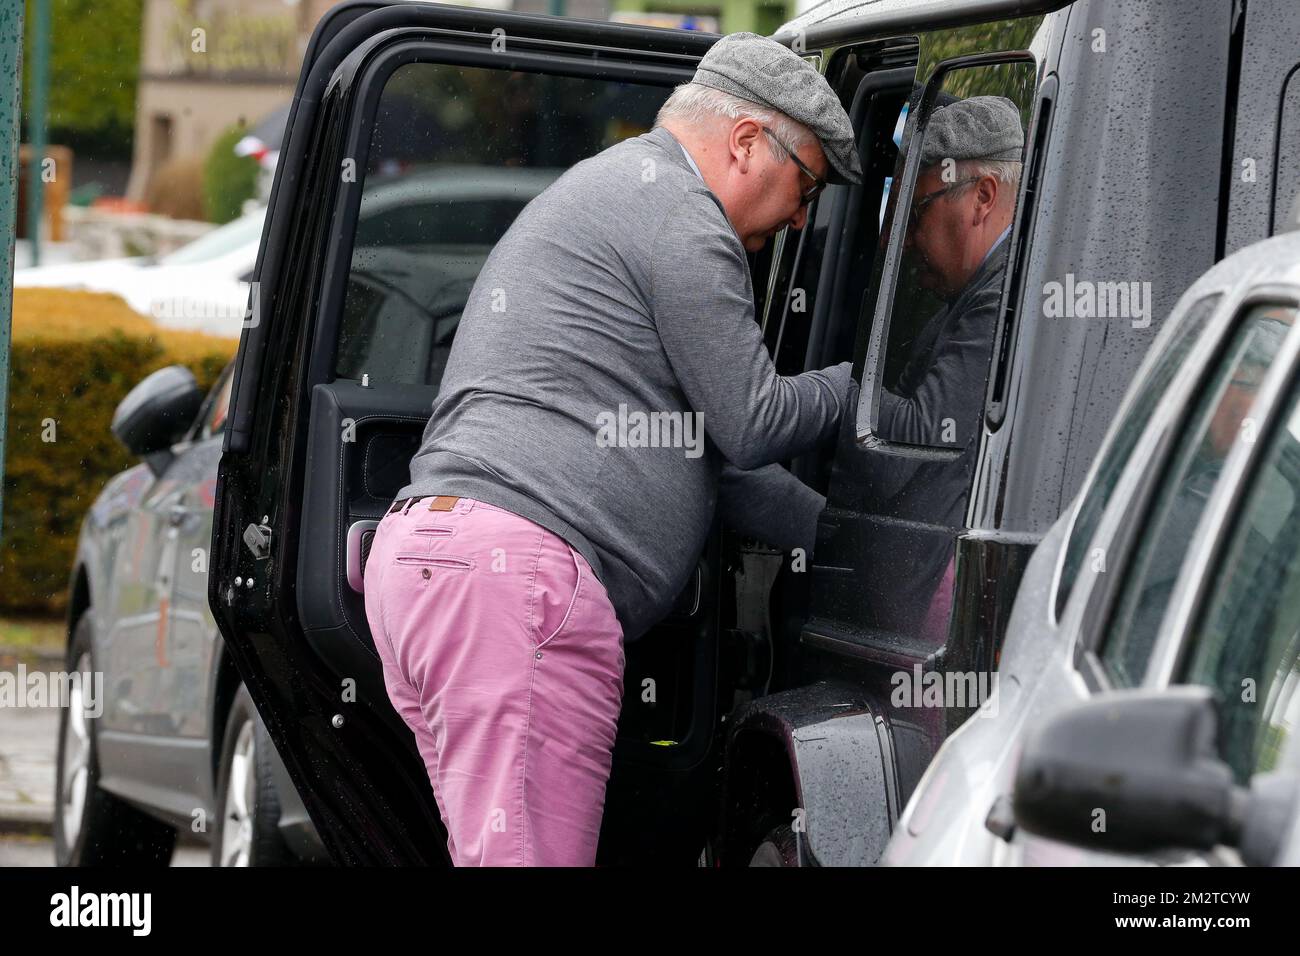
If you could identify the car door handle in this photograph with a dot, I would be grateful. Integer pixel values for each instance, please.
(360, 535)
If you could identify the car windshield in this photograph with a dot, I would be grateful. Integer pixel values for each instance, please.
(245, 230)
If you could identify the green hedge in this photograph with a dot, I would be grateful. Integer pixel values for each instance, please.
(77, 381)
(228, 179)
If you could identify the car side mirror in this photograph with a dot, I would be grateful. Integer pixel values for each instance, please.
(156, 414)
(1140, 771)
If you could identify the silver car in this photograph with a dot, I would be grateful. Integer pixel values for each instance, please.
(1149, 687)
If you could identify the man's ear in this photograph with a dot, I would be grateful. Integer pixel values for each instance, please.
(744, 141)
(986, 197)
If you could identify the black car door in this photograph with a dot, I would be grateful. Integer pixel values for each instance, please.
(417, 133)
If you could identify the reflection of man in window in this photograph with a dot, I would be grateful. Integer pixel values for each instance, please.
(961, 216)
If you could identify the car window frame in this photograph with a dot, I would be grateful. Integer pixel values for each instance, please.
(1225, 584)
(839, 212)
(867, 412)
(1159, 520)
(199, 430)
(375, 62)
(1125, 519)
(1093, 593)
(1062, 591)
(1202, 568)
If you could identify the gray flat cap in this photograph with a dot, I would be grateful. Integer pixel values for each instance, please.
(981, 127)
(769, 74)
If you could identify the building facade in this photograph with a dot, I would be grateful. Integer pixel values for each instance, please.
(207, 65)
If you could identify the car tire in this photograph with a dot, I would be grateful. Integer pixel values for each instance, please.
(92, 827)
(779, 848)
(247, 831)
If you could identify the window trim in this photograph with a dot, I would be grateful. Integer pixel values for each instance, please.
(199, 429)
(1087, 610)
(867, 412)
(1090, 606)
(1202, 567)
(1279, 220)
(1133, 511)
(1128, 518)
(1155, 357)
(1151, 448)
(840, 209)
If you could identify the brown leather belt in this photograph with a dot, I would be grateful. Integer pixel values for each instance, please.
(439, 503)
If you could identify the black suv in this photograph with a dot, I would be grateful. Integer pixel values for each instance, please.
(1155, 138)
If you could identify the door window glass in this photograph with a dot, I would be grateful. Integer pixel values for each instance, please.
(1219, 420)
(1127, 434)
(1247, 644)
(948, 293)
(217, 404)
(455, 154)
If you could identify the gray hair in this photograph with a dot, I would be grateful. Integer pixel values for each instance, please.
(697, 105)
(1004, 170)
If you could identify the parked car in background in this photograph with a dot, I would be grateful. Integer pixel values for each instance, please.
(203, 286)
(179, 743)
(1177, 567)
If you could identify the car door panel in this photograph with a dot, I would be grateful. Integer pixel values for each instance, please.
(360, 446)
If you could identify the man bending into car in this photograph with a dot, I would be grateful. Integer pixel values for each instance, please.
(547, 519)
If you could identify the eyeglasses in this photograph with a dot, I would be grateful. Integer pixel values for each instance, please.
(919, 205)
(818, 184)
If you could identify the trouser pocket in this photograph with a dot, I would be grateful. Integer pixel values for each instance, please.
(450, 561)
(557, 588)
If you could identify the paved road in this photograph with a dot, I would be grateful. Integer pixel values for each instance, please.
(39, 851)
(28, 747)
(28, 744)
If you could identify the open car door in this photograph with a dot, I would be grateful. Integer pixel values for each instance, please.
(417, 133)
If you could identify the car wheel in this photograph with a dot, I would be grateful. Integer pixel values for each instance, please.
(248, 806)
(779, 848)
(92, 827)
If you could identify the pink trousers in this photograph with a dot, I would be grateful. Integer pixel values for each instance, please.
(502, 653)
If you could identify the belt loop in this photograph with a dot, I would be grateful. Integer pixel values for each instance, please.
(407, 507)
